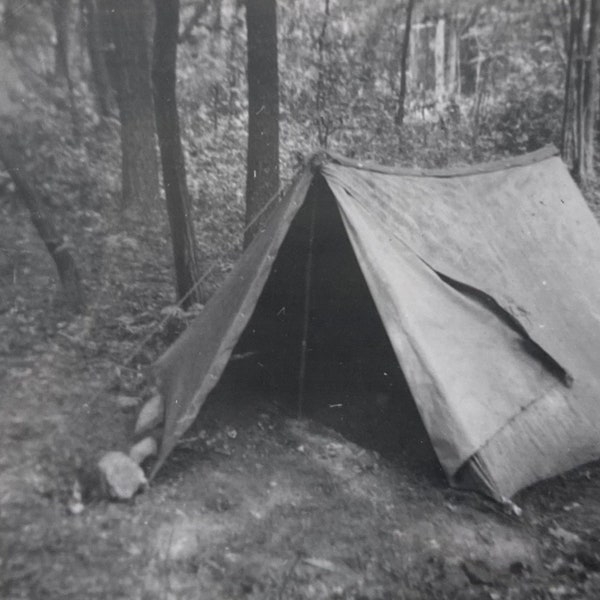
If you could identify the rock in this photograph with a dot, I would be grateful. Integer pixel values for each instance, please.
(151, 415)
(75, 505)
(143, 449)
(510, 508)
(121, 477)
(75, 508)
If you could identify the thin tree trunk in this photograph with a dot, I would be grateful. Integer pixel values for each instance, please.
(97, 43)
(139, 161)
(568, 96)
(232, 75)
(262, 178)
(61, 11)
(171, 151)
(439, 59)
(400, 111)
(216, 51)
(42, 221)
(591, 91)
(452, 59)
(579, 92)
(322, 124)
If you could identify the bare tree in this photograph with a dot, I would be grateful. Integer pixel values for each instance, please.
(262, 175)
(582, 88)
(61, 14)
(171, 152)
(323, 124)
(400, 111)
(42, 221)
(97, 47)
(130, 28)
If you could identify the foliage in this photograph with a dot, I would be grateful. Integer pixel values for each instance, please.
(509, 100)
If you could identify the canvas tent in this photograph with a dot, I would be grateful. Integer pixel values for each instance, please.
(486, 280)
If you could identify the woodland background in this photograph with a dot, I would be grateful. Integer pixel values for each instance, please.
(472, 80)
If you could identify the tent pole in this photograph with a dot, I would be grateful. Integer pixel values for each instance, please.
(306, 317)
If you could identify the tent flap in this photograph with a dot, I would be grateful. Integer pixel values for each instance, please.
(512, 321)
(191, 368)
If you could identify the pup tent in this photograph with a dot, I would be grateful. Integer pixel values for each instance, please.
(485, 282)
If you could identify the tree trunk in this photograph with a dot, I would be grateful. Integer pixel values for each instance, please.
(400, 111)
(42, 221)
(171, 152)
(97, 45)
(579, 95)
(234, 47)
(262, 178)
(451, 79)
(568, 96)
(582, 89)
(439, 60)
(323, 124)
(591, 92)
(61, 12)
(139, 162)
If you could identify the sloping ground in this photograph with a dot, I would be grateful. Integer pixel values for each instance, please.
(259, 505)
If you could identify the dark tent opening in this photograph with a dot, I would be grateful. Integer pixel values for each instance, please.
(351, 380)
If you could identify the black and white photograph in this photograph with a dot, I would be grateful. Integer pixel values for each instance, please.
(299, 299)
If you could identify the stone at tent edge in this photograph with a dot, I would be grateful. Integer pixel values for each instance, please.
(121, 477)
(143, 449)
(151, 415)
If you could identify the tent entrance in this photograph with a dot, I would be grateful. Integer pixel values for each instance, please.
(353, 382)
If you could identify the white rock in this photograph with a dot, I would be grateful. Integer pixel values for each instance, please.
(143, 449)
(121, 477)
(151, 415)
(75, 508)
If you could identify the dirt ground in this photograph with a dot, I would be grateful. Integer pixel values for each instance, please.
(255, 502)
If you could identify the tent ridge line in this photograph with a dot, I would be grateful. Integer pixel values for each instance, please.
(545, 152)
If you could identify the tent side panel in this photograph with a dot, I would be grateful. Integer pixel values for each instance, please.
(191, 368)
(550, 437)
(450, 346)
(525, 238)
